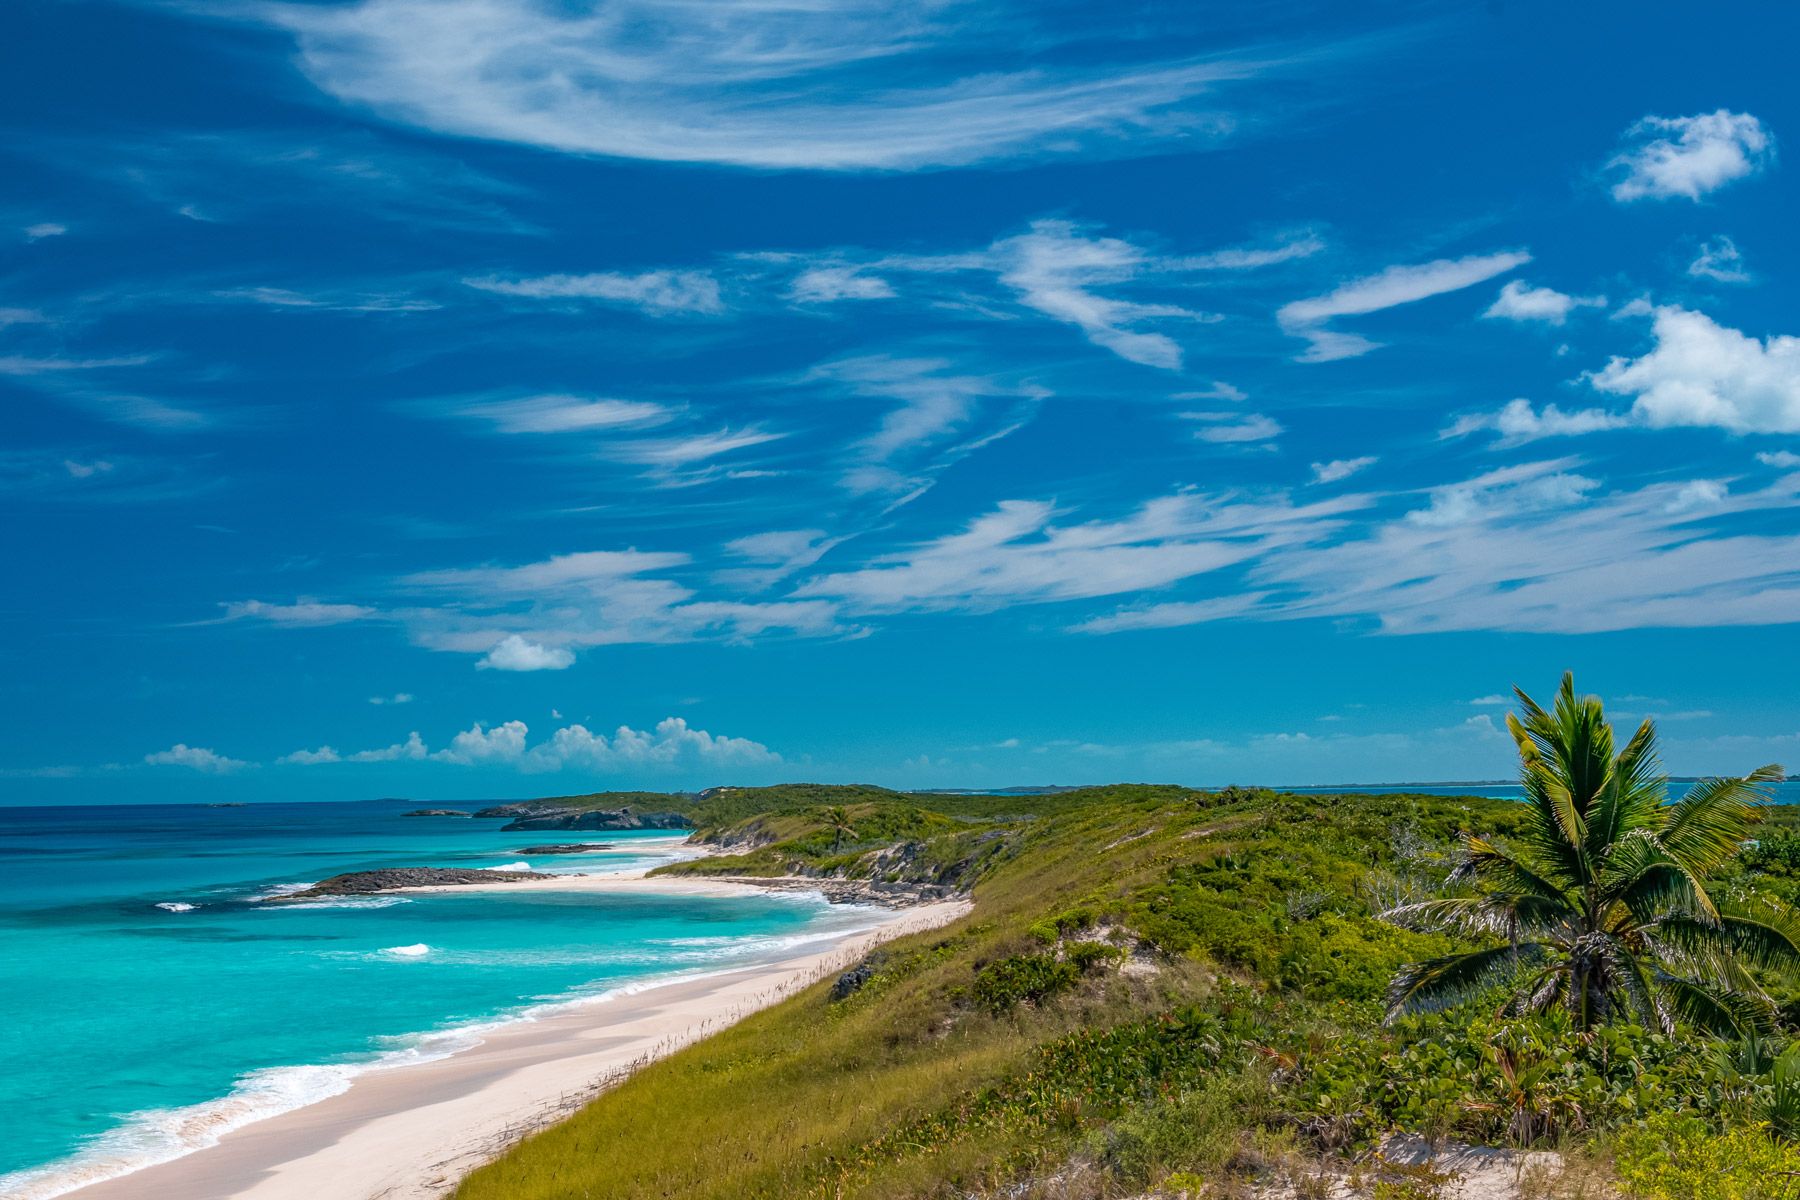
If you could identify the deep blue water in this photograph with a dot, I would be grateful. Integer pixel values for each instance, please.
(147, 1000)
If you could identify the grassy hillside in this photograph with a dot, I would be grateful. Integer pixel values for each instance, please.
(1157, 988)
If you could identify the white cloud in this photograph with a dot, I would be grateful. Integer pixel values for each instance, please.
(825, 285)
(840, 84)
(1056, 269)
(1226, 428)
(1786, 460)
(776, 555)
(196, 758)
(1490, 701)
(1249, 258)
(478, 745)
(1720, 261)
(1341, 468)
(1519, 301)
(1536, 548)
(44, 229)
(1386, 289)
(1697, 494)
(1689, 156)
(1700, 373)
(592, 598)
(659, 293)
(561, 413)
(1018, 554)
(1517, 422)
(671, 743)
(413, 749)
(396, 698)
(1507, 492)
(685, 450)
(311, 758)
(514, 653)
(1173, 614)
(87, 470)
(301, 612)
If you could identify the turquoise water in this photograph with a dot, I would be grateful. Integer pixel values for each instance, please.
(148, 1002)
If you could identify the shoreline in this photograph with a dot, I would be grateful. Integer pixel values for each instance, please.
(411, 1131)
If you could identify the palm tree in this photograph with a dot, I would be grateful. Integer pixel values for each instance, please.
(1604, 902)
(838, 818)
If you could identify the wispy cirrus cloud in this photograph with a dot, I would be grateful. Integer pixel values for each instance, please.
(657, 293)
(837, 85)
(1311, 318)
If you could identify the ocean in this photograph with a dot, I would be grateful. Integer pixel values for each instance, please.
(149, 1003)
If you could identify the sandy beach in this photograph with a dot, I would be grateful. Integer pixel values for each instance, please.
(411, 1132)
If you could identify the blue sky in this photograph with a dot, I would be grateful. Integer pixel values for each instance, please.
(460, 398)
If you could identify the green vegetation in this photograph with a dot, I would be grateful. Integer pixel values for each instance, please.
(1163, 988)
(1604, 905)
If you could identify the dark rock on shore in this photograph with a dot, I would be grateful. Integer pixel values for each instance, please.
(435, 812)
(593, 818)
(368, 883)
(568, 848)
(850, 891)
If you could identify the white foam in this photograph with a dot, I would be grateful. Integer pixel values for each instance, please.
(147, 1138)
(347, 902)
(416, 950)
(175, 906)
(518, 866)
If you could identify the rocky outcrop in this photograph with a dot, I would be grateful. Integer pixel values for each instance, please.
(596, 818)
(851, 891)
(568, 848)
(387, 879)
(435, 812)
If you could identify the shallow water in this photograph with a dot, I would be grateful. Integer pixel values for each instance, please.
(148, 1003)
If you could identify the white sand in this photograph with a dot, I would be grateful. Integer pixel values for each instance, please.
(411, 1132)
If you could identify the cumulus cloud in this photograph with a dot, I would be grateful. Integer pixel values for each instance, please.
(672, 743)
(311, 758)
(479, 745)
(44, 229)
(658, 293)
(1341, 468)
(1386, 289)
(196, 758)
(1785, 460)
(396, 698)
(514, 653)
(1519, 301)
(840, 85)
(1687, 157)
(413, 749)
(1701, 373)
(1697, 494)
(1517, 422)
(1720, 261)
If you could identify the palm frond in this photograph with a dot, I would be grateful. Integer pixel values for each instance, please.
(1508, 914)
(1486, 862)
(1709, 824)
(1439, 983)
(1632, 796)
(1726, 1013)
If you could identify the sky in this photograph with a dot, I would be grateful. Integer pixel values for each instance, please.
(470, 398)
